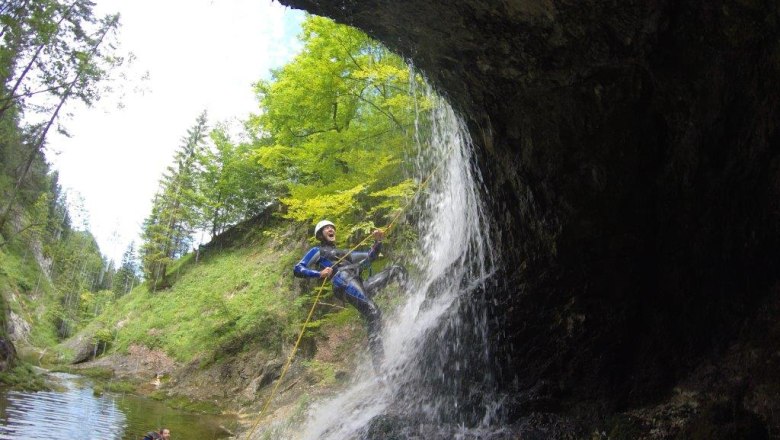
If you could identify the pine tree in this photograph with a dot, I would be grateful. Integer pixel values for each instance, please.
(175, 212)
(232, 187)
(127, 276)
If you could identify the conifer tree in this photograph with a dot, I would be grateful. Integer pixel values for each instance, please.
(127, 276)
(231, 186)
(175, 215)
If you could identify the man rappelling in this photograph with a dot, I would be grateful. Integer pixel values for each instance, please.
(343, 268)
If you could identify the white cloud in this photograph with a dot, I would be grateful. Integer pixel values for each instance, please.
(200, 54)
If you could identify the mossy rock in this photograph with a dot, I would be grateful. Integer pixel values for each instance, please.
(23, 377)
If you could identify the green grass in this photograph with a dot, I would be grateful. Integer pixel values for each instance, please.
(28, 293)
(323, 373)
(215, 308)
(23, 377)
(120, 386)
(114, 386)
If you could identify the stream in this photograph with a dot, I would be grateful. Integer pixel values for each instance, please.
(73, 411)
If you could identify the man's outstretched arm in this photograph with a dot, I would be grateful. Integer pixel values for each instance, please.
(301, 270)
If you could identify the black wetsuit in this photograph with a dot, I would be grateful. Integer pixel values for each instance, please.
(349, 286)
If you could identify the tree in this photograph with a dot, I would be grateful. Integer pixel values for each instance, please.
(168, 229)
(77, 263)
(336, 124)
(127, 276)
(232, 187)
(52, 52)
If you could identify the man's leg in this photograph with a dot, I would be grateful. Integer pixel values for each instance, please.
(355, 294)
(378, 281)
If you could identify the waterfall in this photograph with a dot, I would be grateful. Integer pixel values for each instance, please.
(436, 378)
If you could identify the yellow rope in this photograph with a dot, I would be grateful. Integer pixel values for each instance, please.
(317, 298)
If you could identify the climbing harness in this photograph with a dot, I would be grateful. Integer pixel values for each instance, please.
(290, 358)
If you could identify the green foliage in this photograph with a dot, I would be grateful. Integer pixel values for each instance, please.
(335, 127)
(231, 186)
(127, 276)
(167, 231)
(77, 270)
(324, 373)
(23, 377)
(220, 306)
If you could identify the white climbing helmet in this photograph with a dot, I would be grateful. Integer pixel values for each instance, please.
(321, 225)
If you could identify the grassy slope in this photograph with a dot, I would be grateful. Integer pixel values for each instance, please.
(237, 295)
(239, 299)
(26, 292)
(236, 300)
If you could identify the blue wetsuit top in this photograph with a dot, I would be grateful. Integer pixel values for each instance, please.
(320, 257)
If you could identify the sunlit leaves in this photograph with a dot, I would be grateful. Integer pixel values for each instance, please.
(340, 118)
(305, 204)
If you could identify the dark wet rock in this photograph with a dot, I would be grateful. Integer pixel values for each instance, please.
(725, 422)
(7, 354)
(385, 427)
(631, 154)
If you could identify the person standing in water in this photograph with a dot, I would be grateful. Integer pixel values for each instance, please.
(343, 269)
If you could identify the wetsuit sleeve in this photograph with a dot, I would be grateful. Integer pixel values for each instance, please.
(370, 255)
(302, 270)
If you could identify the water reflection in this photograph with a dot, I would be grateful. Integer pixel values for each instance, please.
(75, 412)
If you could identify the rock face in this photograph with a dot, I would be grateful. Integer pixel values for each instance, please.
(631, 155)
(80, 347)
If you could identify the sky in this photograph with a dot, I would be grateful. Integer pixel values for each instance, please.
(199, 55)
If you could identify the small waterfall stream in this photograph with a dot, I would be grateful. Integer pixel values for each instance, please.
(436, 380)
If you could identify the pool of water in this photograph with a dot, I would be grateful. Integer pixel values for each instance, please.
(75, 412)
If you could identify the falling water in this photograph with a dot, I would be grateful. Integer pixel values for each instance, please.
(435, 381)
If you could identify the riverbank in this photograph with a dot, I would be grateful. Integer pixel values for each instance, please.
(237, 386)
(216, 340)
(75, 405)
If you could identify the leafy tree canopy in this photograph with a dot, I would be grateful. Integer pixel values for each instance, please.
(336, 124)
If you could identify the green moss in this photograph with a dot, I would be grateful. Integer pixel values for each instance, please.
(26, 290)
(323, 373)
(23, 377)
(120, 386)
(346, 316)
(93, 372)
